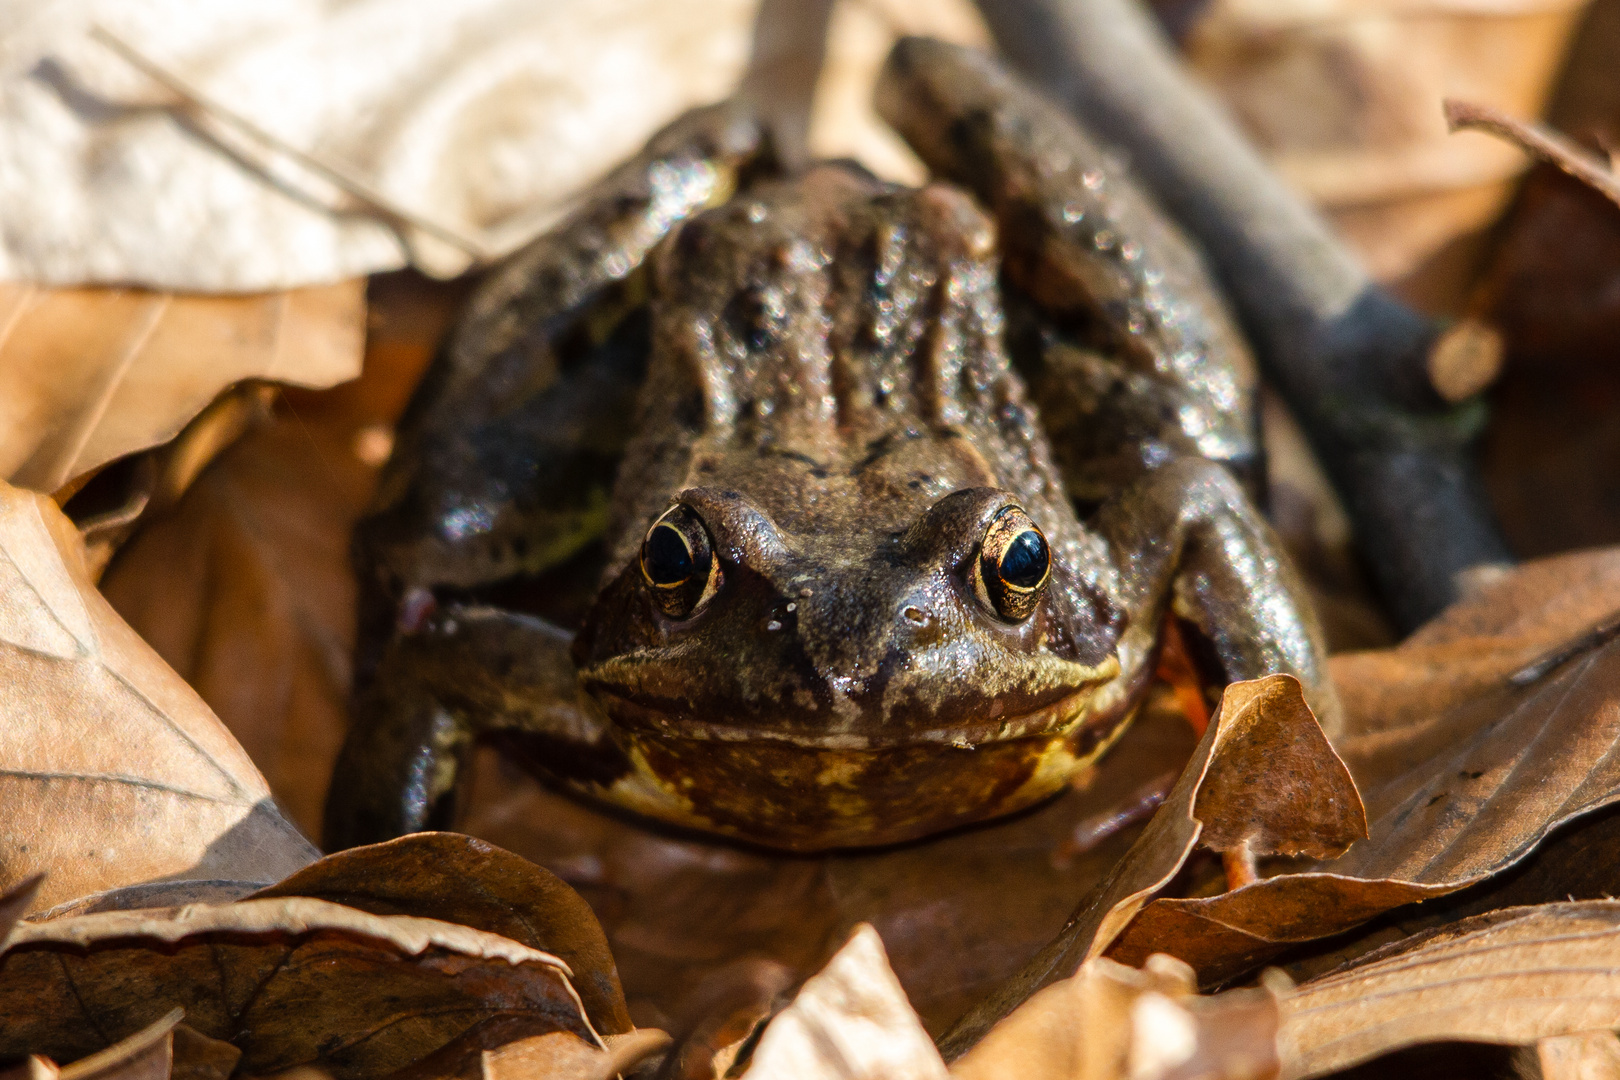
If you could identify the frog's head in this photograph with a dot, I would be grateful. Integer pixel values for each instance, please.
(860, 682)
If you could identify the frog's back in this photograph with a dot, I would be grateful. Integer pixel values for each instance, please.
(832, 346)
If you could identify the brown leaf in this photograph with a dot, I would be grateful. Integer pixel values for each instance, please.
(1278, 758)
(1110, 1022)
(89, 375)
(291, 981)
(1512, 977)
(850, 1021)
(458, 879)
(146, 1055)
(197, 1057)
(245, 587)
(111, 770)
(17, 902)
(1257, 722)
(1452, 798)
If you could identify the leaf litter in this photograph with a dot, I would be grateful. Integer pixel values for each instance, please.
(692, 924)
(695, 924)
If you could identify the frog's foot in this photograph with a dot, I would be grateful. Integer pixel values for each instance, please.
(461, 672)
(1187, 540)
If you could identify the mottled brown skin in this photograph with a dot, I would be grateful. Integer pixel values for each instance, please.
(820, 371)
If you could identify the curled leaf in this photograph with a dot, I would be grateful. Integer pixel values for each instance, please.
(146, 1055)
(1452, 799)
(1511, 977)
(1257, 721)
(562, 1056)
(289, 982)
(462, 880)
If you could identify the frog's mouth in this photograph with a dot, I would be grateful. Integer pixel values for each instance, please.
(807, 791)
(992, 721)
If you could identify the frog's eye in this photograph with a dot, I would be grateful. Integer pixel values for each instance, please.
(677, 562)
(1014, 563)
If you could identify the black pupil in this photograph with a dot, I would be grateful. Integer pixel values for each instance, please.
(667, 560)
(1024, 562)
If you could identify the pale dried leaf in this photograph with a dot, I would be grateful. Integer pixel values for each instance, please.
(34, 1068)
(476, 122)
(850, 1021)
(289, 981)
(1342, 96)
(1590, 1055)
(1512, 977)
(560, 1055)
(1112, 1022)
(477, 115)
(89, 375)
(112, 771)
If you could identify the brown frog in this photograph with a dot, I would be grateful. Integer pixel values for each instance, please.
(810, 509)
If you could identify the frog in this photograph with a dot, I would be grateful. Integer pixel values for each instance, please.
(810, 511)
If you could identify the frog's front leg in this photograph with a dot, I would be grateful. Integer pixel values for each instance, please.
(1185, 536)
(500, 477)
(465, 670)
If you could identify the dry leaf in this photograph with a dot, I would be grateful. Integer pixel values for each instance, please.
(1511, 977)
(1455, 796)
(146, 1055)
(245, 587)
(243, 144)
(850, 1021)
(1343, 98)
(1259, 722)
(112, 771)
(563, 1056)
(1112, 1022)
(197, 1057)
(476, 115)
(89, 375)
(1590, 1055)
(458, 879)
(292, 981)
(16, 902)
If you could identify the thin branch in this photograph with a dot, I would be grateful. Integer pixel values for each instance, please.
(1538, 140)
(340, 176)
(1356, 365)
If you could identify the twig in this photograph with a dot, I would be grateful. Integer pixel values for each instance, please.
(340, 176)
(1542, 142)
(1352, 361)
(789, 50)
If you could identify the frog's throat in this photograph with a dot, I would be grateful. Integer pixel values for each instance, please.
(1061, 718)
(814, 798)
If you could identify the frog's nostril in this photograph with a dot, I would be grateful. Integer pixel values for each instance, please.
(916, 615)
